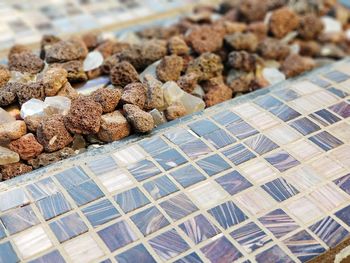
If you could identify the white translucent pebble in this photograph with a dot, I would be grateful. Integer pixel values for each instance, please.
(172, 92)
(198, 91)
(6, 117)
(129, 37)
(32, 107)
(57, 104)
(158, 117)
(331, 25)
(150, 70)
(93, 61)
(92, 85)
(289, 37)
(273, 75)
(192, 103)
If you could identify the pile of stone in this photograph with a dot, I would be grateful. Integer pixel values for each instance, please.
(157, 75)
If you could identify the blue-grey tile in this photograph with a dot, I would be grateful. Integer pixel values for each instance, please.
(131, 199)
(233, 182)
(170, 159)
(102, 166)
(282, 160)
(260, 144)
(344, 215)
(238, 154)
(85, 193)
(325, 141)
(160, 187)
(324, 117)
(241, 129)
(287, 94)
(178, 206)
(53, 206)
(344, 183)
(268, 102)
(320, 82)
(221, 250)
(342, 109)
(195, 149)
(338, 92)
(227, 214)
(285, 113)
(2, 231)
(305, 126)
(154, 145)
(7, 253)
(42, 189)
(149, 220)
(143, 170)
(203, 127)
(13, 198)
(225, 117)
(179, 136)
(336, 76)
(280, 189)
(191, 258)
(213, 164)
(187, 176)
(72, 177)
(138, 253)
(273, 254)
(51, 257)
(100, 212)
(219, 138)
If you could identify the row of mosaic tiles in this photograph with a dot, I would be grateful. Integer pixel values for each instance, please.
(265, 181)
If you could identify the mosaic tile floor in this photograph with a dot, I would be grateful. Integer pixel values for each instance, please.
(262, 178)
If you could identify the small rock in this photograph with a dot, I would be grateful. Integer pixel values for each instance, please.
(170, 68)
(295, 65)
(30, 91)
(242, 41)
(154, 93)
(151, 70)
(57, 105)
(309, 48)
(8, 93)
(26, 62)
(253, 10)
(53, 80)
(66, 50)
(27, 147)
(216, 92)
(240, 81)
(12, 131)
(93, 61)
(46, 42)
(107, 97)
(78, 142)
(32, 107)
(188, 82)
(68, 91)
(198, 92)
(6, 117)
(178, 46)
(33, 122)
(259, 29)
(18, 49)
(123, 74)
(7, 156)
(74, 69)
(271, 48)
(84, 116)
(283, 21)
(204, 39)
(158, 117)
(242, 60)
(109, 63)
(206, 66)
(175, 111)
(45, 159)
(91, 40)
(114, 127)
(134, 93)
(140, 120)
(273, 75)
(5, 75)
(15, 169)
(310, 27)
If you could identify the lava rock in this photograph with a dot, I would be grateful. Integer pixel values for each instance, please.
(296, 64)
(32, 90)
(140, 120)
(109, 63)
(15, 169)
(242, 41)
(5, 75)
(188, 82)
(17, 49)
(68, 91)
(114, 126)
(26, 62)
(216, 92)
(53, 80)
(123, 74)
(91, 40)
(241, 81)
(45, 159)
(271, 48)
(175, 111)
(309, 48)
(66, 50)
(107, 97)
(310, 27)
(252, 10)
(283, 21)
(170, 68)
(33, 122)
(259, 29)
(8, 93)
(206, 66)
(178, 46)
(46, 42)
(154, 93)
(134, 93)
(243, 60)
(204, 39)
(74, 69)
(27, 147)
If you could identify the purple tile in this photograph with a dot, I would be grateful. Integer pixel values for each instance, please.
(19, 219)
(342, 109)
(324, 117)
(131, 200)
(138, 253)
(100, 213)
(280, 189)
(178, 206)
(225, 117)
(344, 215)
(179, 136)
(191, 258)
(344, 183)
(7, 254)
(336, 76)
(54, 256)
(221, 251)
(305, 126)
(219, 138)
(228, 214)
(149, 220)
(233, 182)
(213, 164)
(143, 170)
(325, 141)
(238, 154)
(102, 166)
(170, 159)
(282, 160)
(241, 129)
(160, 187)
(195, 149)
(273, 254)
(261, 144)
(53, 205)
(203, 127)
(187, 175)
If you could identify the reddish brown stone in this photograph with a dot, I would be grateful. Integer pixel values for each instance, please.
(26, 62)
(49, 158)
(310, 27)
(242, 41)
(134, 93)
(53, 80)
(5, 75)
(206, 66)
(33, 90)
(114, 127)
(188, 82)
(283, 21)
(12, 170)
(169, 68)
(27, 147)
(123, 74)
(253, 10)
(204, 39)
(74, 69)
(17, 49)
(66, 50)
(46, 42)
(271, 48)
(91, 40)
(295, 65)
(140, 120)
(216, 92)
(107, 97)
(175, 111)
(178, 46)
(242, 60)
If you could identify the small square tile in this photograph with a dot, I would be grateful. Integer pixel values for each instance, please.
(138, 252)
(213, 164)
(326, 167)
(68, 227)
(2, 231)
(221, 250)
(282, 134)
(72, 177)
(285, 113)
(102, 166)
(336, 76)
(273, 254)
(268, 102)
(342, 155)
(116, 180)
(32, 241)
(101, 212)
(263, 121)
(320, 82)
(246, 110)
(305, 126)
(344, 183)
(287, 94)
(85, 193)
(187, 176)
(170, 159)
(227, 214)
(304, 209)
(199, 229)
(329, 231)
(238, 154)
(19, 219)
(53, 256)
(255, 201)
(42, 189)
(258, 171)
(203, 127)
(131, 199)
(179, 136)
(304, 177)
(13, 198)
(279, 223)
(304, 150)
(149, 220)
(7, 253)
(233, 182)
(338, 92)
(178, 207)
(325, 141)
(191, 258)
(154, 145)
(219, 139)
(250, 237)
(53, 206)
(117, 235)
(342, 109)
(241, 129)
(129, 155)
(324, 98)
(160, 187)
(168, 245)
(305, 87)
(344, 215)
(280, 189)
(207, 194)
(261, 144)
(195, 149)
(282, 160)
(341, 131)
(324, 117)
(225, 117)
(143, 170)
(83, 249)
(304, 246)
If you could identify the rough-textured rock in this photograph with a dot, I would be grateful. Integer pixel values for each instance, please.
(52, 133)
(259, 29)
(242, 41)
(68, 91)
(178, 46)
(241, 81)
(8, 93)
(252, 10)
(91, 40)
(46, 42)
(134, 93)
(109, 63)
(243, 60)
(15, 169)
(53, 80)
(309, 48)
(7, 156)
(123, 74)
(140, 120)
(271, 48)
(154, 93)
(188, 82)
(295, 65)
(283, 21)
(5, 75)
(12, 131)
(204, 39)
(27, 147)
(216, 92)
(114, 126)
(32, 90)
(175, 111)
(26, 62)
(66, 50)
(74, 69)
(310, 27)
(33, 122)
(170, 68)
(45, 159)
(107, 97)
(84, 116)
(206, 66)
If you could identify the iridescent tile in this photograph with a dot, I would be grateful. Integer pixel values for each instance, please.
(304, 209)
(178, 207)
(219, 139)
(258, 171)
(68, 227)
(179, 136)
(227, 214)
(143, 170)
(170, 159)
(117, 235)
(154, 145)
(304, 246)
(282, 134)
(106, 261)
(138, 253)
(53, 256)
(344, 215)
(282, 160)
(213, 164)
(2, 231)
(168, 245)
(325, 141)
(304, 177)
(344, 183)
(342, 155)
(13, 198)
(102, 166)
(279, 223)
(324, 117)
(287, 94)
(53, 206)
(268, 102)
(72, 177)
(187, 176)
(238, 154)
(255, 201)
(329, 231)
(305, 87)
(241, 129)
(233, 182)
(207, 194)
(320, 82)
(42, 189)
(327, 167)
(116, 180)
(149, 220)
(100, 212)
(338, 92)
(273, 254)
(280, 189)
(7, 253)
(191, 258)
(129, 155)
(225, 118)
(160, 187)
(336, 76)
(131, 200)
(19, 219)
(305, 126)
(285, 113)
(195, 149)
(85, 193)
(263, 121)
(341, 131)
(306, 104)
(221, 250)
(342, 109)
(261, 144)
(247, 110)
(203, 127)
(250, 237)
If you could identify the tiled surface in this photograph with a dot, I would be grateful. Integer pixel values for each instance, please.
(268, 181)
